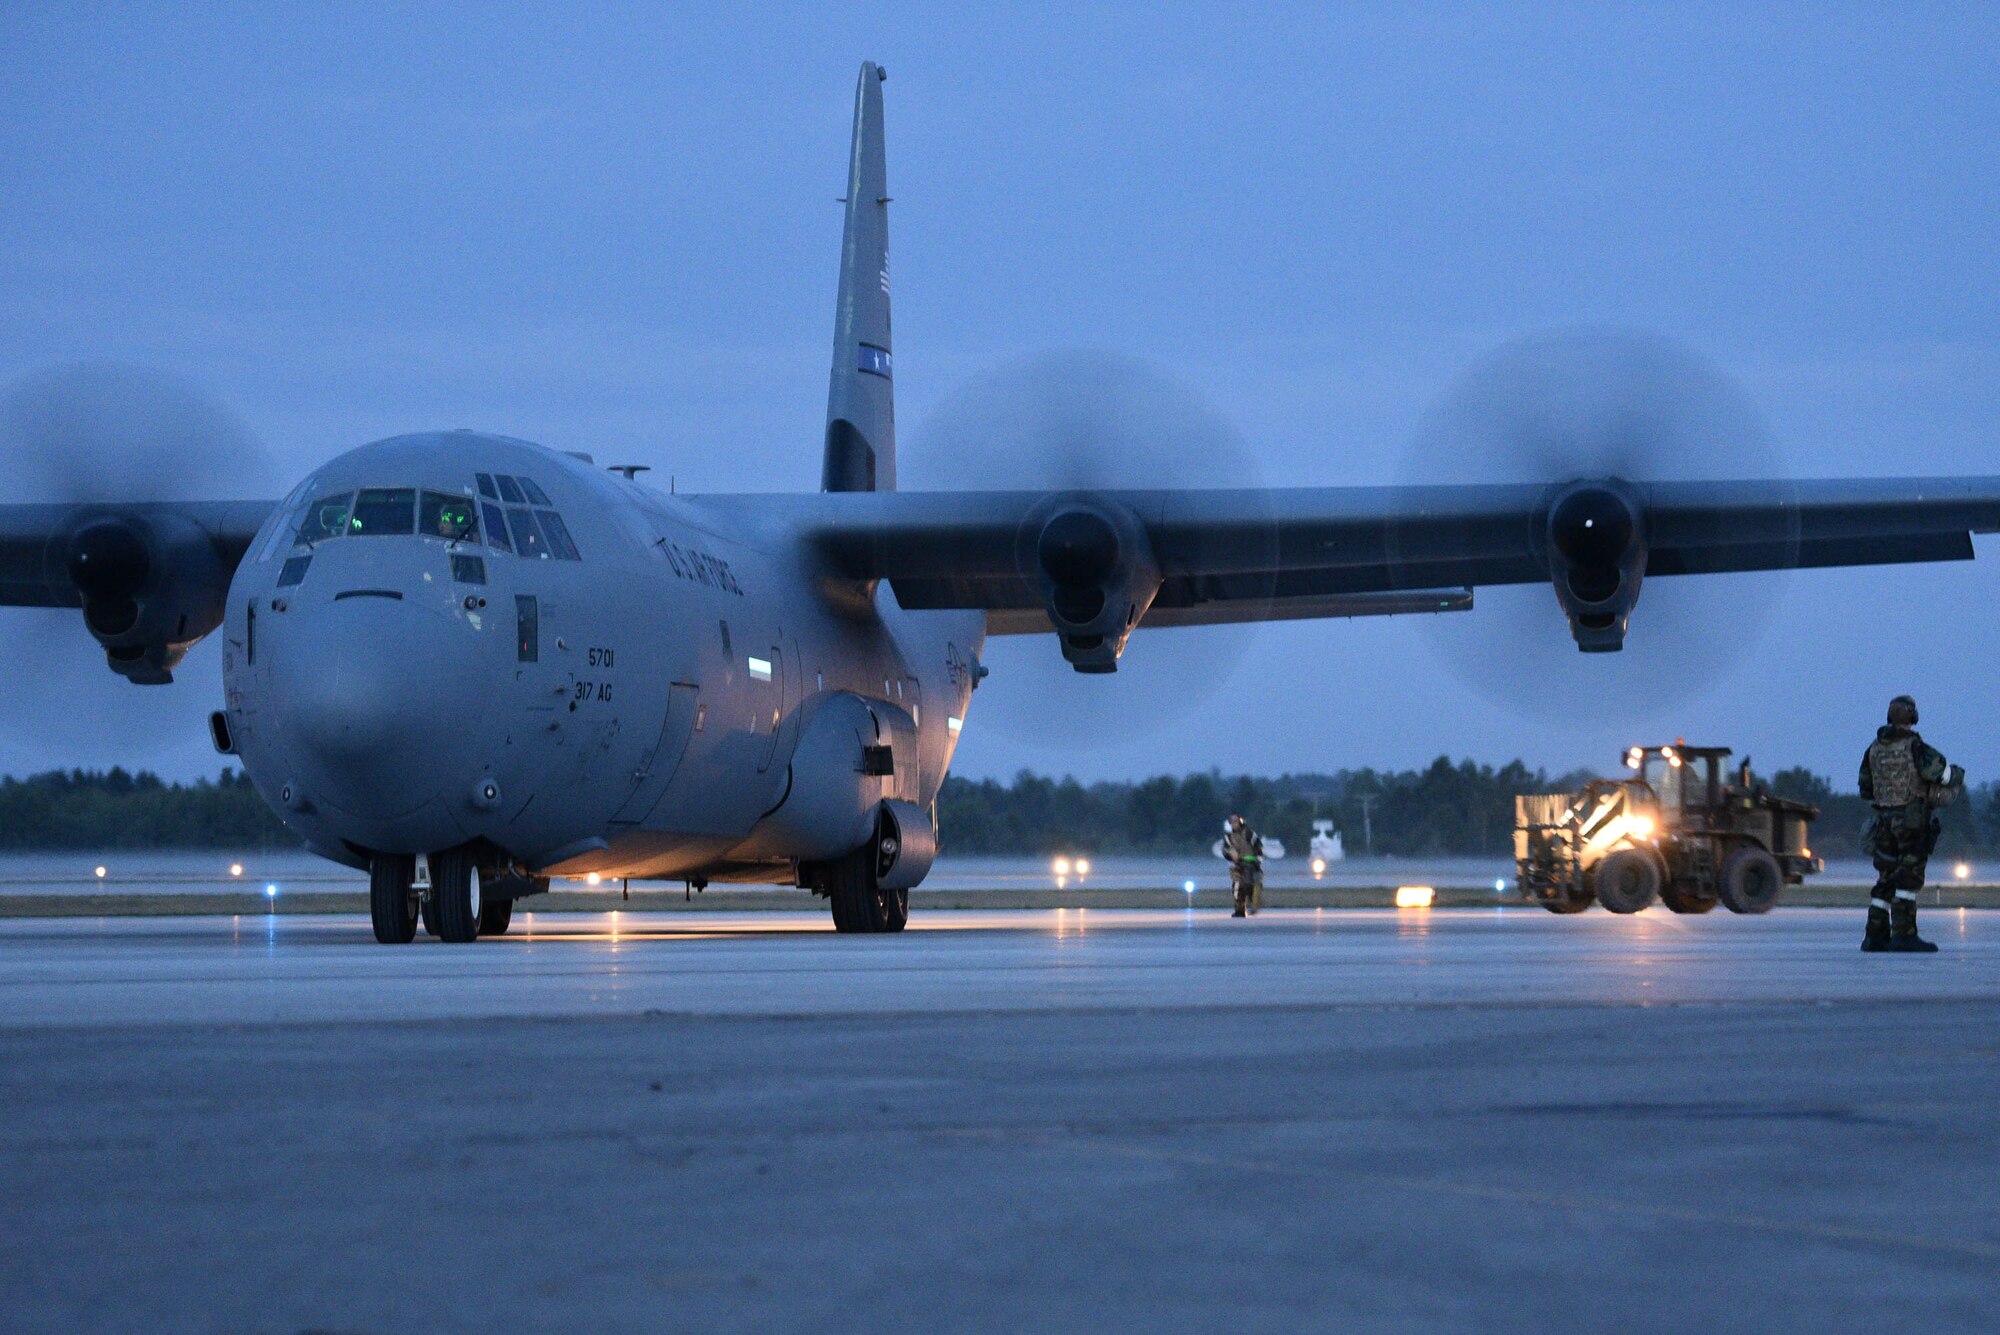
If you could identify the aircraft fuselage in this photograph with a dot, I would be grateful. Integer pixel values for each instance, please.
(655, 688)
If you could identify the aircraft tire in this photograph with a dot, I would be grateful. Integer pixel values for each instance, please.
(429, 913)
(1628, 880)
(860, 903)
(390, 903)
(1751, 880)
(494, 915)
(841, 903)
(455, 898)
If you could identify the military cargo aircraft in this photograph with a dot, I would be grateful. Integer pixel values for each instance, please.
(469, 663)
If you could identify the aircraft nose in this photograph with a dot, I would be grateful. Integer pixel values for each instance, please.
(376, 713)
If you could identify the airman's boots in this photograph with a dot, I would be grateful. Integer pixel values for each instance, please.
(1877, 936)
(1903, 926)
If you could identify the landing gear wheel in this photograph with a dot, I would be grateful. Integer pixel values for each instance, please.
(1627, 880)
(1684, 898)
(429, 912)
(860, 902)
(391, 902)
(1751, 881)
(494, 915)
(455, 895)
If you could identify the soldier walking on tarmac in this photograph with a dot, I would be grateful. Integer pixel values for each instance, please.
(1906, 779)
(1244, 848)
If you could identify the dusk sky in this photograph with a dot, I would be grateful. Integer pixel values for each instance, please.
(614, 230)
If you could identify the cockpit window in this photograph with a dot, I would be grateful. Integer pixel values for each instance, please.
(557, 533)
(384, 511)
(527, 536)
(496, 527)
(284, 523)
(510, 491)
(326, 518)
(536, 496)
(485, 481)
(453, 518)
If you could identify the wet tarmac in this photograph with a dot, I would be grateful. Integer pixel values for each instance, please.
(1311, 1120)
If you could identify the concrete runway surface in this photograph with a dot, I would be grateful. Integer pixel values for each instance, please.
(1018, 1121)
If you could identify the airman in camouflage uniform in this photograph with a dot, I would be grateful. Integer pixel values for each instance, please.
(1905, 779)
(1244, 848)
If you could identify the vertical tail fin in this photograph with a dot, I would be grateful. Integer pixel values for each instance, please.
(861, 401)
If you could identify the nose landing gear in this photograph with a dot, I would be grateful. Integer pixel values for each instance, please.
(455, 899)
(392, 902)
(452, 908)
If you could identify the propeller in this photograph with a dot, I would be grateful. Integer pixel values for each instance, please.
(1593, 405)
(104, 433)
(1080, 422)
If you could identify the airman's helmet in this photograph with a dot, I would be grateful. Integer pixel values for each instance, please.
(1902, 712)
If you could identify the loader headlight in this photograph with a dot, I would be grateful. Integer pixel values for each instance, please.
(1641, 827)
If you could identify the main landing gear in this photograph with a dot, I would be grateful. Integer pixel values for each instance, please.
(861, 903)
(451, 909)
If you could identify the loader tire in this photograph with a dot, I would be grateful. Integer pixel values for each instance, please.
(1628, 880)
(1684, 898)
(1751, 881)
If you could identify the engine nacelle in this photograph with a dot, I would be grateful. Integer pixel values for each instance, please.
(1597, 557)
(1096, 575)
(151, 586)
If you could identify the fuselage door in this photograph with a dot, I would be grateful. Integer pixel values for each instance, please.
(659, 765)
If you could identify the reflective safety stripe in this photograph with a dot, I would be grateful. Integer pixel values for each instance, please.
(1878, 903)
(1906, 894)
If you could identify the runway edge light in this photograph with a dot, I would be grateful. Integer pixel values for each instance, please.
(1414, 896)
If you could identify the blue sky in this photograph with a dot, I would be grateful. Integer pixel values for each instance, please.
(614, 229)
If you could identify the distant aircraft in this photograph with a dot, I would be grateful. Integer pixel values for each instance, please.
(469, 663)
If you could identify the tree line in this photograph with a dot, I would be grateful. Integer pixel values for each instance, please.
(1454, 808)
(90, 809)
(1450, 808)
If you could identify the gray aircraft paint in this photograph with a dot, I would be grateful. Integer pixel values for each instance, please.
(375, 722)
(860, 401)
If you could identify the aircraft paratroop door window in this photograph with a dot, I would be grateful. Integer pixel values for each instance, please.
(767, 677)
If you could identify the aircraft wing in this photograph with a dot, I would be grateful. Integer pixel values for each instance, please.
(150, 576)
(36, 540)
(1164, 558)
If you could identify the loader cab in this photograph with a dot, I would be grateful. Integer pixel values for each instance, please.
(1689, 781)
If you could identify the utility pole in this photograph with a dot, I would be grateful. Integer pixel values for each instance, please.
(1368, 823)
